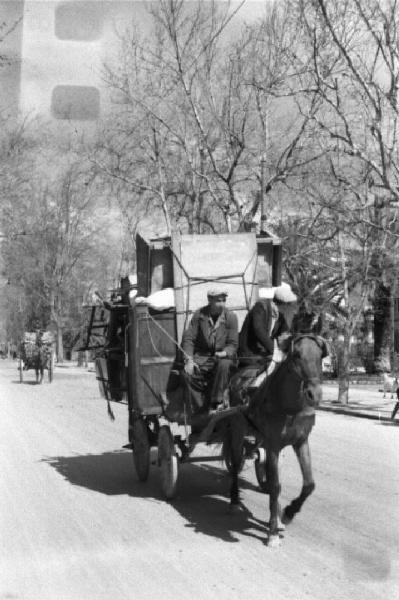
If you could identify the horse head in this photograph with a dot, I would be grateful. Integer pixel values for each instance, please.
(304, 358)
(307, 319)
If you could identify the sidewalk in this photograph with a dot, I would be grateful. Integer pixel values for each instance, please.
(364, 401)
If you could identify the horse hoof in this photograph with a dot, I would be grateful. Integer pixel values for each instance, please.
(287, 517)
(235, 509)
(280, 525)
(273, 541)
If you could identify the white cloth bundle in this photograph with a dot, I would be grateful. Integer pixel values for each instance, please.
(161, 300)
(282, 293)
(47, 337)
(30, 338)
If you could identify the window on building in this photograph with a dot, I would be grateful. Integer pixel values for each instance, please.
(79, 21)
(75, 102)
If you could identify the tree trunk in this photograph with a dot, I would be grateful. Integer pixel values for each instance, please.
(60, 343)
(343, 369)
(382, 328)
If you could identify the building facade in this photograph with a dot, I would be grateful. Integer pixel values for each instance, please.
(56, 51)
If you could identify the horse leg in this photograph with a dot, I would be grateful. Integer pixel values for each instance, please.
(266, 487)
(41, 374)
(302, 451)
(274, 493)
(235, 445)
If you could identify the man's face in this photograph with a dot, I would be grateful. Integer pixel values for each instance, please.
(217, 304)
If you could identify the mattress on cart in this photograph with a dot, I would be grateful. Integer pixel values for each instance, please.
(203, 261)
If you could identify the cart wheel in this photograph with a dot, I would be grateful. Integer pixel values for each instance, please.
(167, 461)
(141, 449)
(21, 375)
(50, 369)
(226, 454)
(260, 469)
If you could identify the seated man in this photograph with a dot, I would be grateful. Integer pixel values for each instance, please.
(258, 351)
(264, 324)
(210, 347)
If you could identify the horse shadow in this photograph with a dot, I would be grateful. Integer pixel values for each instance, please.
(30, 382)
(202, 499)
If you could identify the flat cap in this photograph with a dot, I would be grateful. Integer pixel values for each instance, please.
(217, 291)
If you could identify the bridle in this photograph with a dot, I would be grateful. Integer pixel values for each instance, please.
(292, 363)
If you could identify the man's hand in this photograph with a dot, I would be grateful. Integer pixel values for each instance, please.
(221, 354)
(190, 367)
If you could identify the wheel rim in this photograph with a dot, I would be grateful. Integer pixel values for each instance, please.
(168, 462)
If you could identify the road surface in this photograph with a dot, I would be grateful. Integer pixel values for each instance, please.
(77, 525)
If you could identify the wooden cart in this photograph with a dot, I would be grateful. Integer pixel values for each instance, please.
(140, 361)
(32, 353)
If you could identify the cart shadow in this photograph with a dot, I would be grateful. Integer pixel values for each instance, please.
(202, 498)
(203, 501)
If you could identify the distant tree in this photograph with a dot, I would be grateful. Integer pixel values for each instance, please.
(349, 58)
(55, 222)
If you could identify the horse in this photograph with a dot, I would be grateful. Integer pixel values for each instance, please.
(38, 361)
(279, 414)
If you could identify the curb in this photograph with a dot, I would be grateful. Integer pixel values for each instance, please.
(353, 413)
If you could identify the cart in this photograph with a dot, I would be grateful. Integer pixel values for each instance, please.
(36, 352)
(140, 363)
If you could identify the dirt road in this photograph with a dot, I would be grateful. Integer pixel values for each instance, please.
(77, 525)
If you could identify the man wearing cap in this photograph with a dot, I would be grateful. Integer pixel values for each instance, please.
(210, 347)
(264, 324)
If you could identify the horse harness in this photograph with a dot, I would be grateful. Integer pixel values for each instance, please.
(304, 381)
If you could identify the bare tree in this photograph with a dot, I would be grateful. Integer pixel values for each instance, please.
(349, 60)
(54, 223)
(204, 129)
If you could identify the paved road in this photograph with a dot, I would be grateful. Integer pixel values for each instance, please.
(77, 525)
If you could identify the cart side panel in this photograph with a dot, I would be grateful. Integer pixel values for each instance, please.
(277, 263)
(152, 353)
(161, 265)
(154, 265)
(264, 269)
(143, 266)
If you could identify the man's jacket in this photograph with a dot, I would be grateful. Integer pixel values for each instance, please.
(204, 337)
(257, 335)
